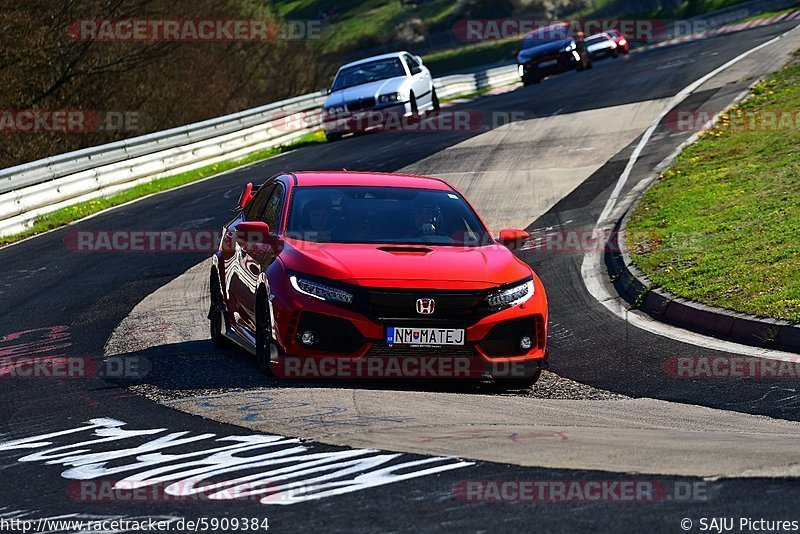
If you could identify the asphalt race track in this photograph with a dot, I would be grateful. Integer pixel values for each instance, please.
(605, 370)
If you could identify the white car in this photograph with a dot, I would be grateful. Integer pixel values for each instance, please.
(367, 92)
(601, 45)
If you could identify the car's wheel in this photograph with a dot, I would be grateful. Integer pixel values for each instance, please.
(435, 99)
(530, 80)
(216, 315)
(263, 334)
(519, 383)
(614, 54)
(414, 106)
(332, 136)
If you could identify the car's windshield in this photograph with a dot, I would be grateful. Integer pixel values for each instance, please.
(596, 39)
(542, 36)
(368, 72)
(392, 215)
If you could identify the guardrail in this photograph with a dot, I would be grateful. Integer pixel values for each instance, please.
(33, 189)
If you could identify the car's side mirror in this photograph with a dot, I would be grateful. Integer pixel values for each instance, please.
(513, 238)
(253, 231)
(419, 60)
(252, 234)
(248, 192)
(325, 91)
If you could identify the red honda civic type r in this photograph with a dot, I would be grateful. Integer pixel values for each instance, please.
(321, 273)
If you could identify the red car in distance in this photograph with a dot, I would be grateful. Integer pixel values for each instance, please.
(623, 45)
(321, 271)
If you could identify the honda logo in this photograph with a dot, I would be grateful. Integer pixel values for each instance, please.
(425, 306)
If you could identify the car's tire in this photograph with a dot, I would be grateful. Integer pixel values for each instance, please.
(216, 315)
(435, 100)
(263, 334)
(530, 80)
(614, 54)
(414, 106)
(525, 382)
(332, 136)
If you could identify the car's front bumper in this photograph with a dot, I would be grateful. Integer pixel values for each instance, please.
(366, 119)
(547, 65)
(355, 344)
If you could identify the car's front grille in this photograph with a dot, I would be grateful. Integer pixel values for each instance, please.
(456, 309)
(382, 350)
(359, 105)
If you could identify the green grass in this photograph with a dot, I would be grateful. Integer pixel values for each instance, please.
(471, 55)
(367, 22)
(771, 14)
(722, 225)
(627, 9)
(75, 212)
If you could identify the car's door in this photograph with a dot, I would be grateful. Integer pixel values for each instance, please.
(234, 280)
(420, 80)
(257, 254)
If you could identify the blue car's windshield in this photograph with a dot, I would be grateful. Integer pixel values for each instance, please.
(392, 215)
(551, 34)
(368, 72)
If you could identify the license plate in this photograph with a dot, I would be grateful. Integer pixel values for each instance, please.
(424, 336)
(545, 64)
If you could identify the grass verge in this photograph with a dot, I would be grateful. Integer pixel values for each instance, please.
(466, 57)
(78, 211)
(771, 14)
(722, 225)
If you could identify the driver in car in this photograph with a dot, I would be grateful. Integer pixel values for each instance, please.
(424, 216)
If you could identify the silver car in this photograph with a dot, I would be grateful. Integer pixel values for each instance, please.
(367, 93)
(601, 45)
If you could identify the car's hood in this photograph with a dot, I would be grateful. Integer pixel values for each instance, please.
(368, 90)
(544, 49)
(401, 265)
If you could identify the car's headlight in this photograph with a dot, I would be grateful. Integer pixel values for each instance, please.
(511, 296)
(320, 291)
(570, 47)
(391, 97)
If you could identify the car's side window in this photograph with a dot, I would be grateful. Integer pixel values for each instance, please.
(257, 205)
(413, 66)
(272, 212)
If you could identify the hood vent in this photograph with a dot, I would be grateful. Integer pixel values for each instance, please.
(408, 249)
